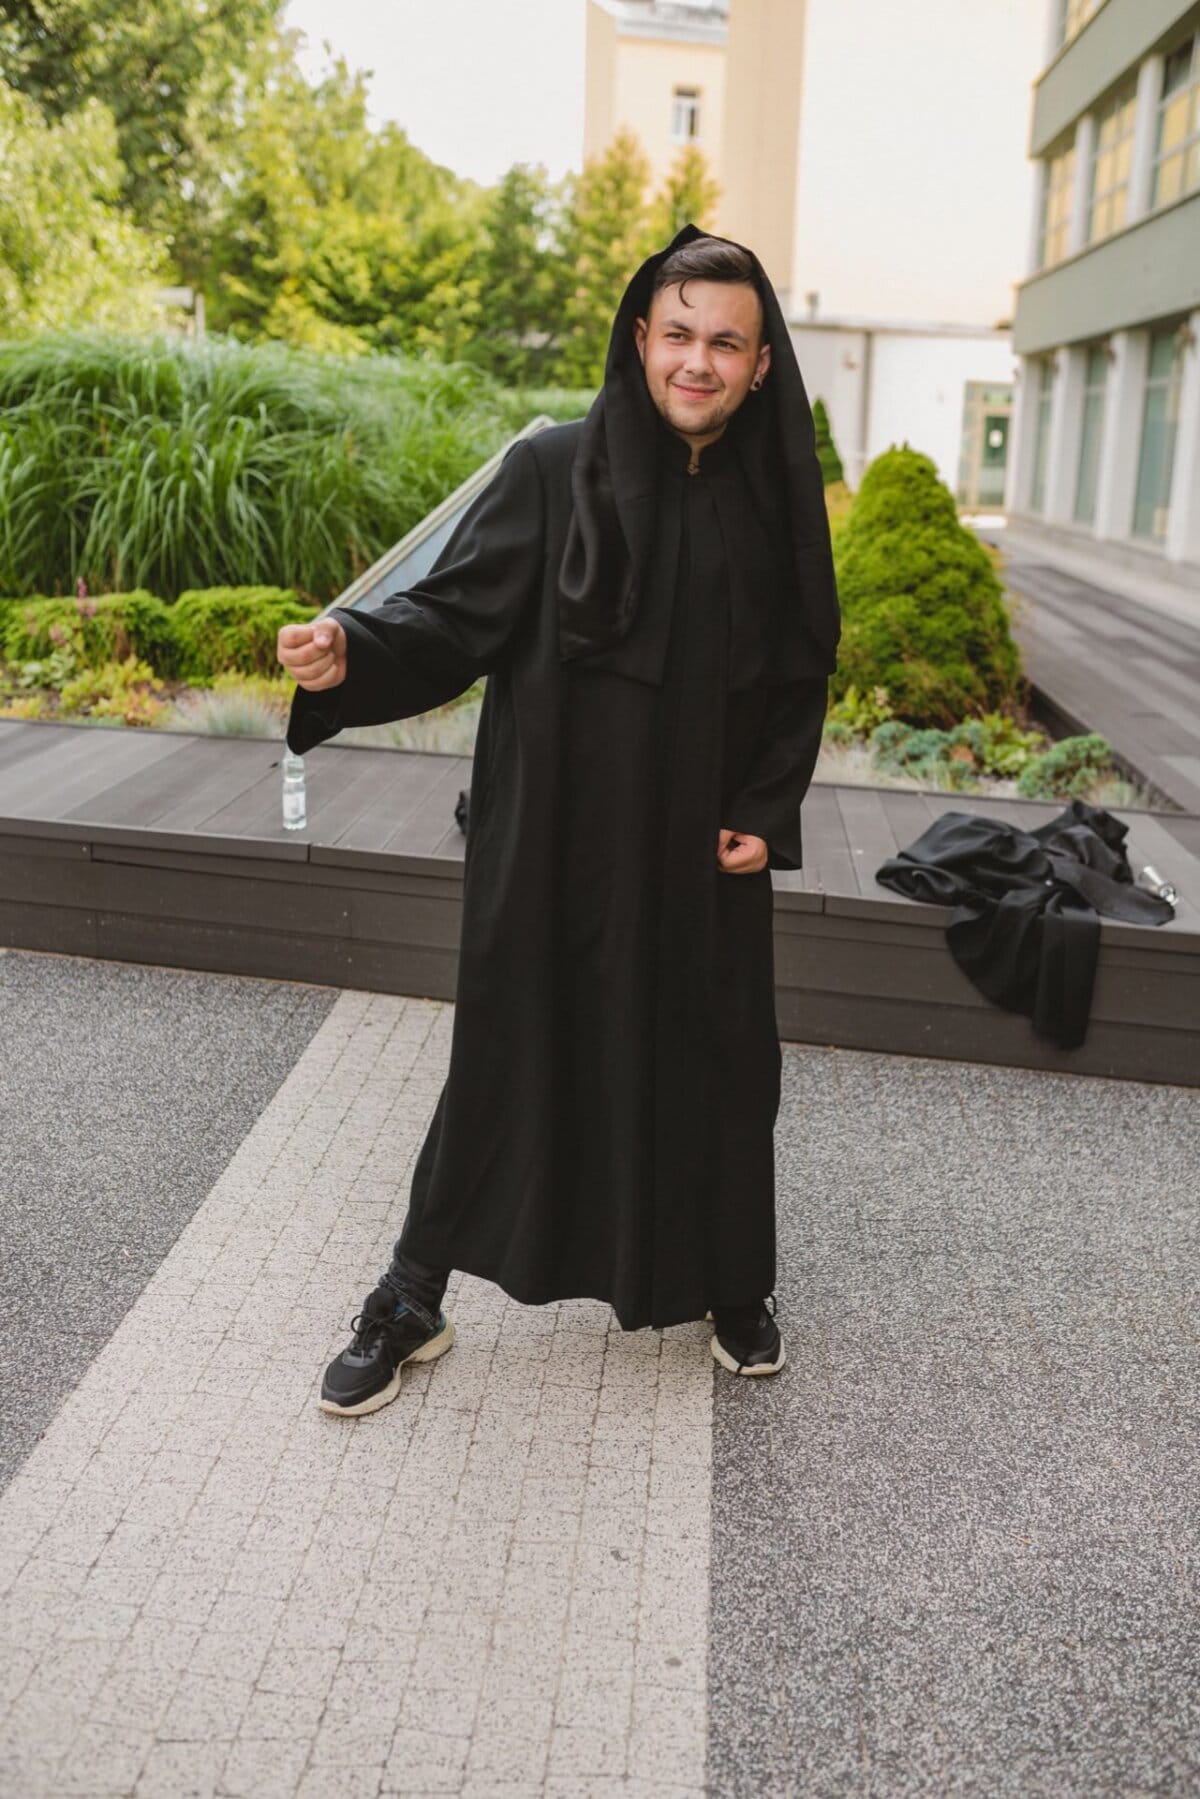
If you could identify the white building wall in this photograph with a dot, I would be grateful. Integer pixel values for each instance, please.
(897, 387)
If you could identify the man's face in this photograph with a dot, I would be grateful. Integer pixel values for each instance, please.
(700, 354)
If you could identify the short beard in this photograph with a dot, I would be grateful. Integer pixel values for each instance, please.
(713, 421)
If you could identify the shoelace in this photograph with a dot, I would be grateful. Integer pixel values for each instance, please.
(367, 1325)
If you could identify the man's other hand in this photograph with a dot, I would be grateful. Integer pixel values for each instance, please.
(313, 654)
(738, 854)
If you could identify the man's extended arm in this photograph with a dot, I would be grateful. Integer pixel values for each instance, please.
(425, 646)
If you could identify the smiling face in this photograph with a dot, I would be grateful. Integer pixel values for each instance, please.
(701, 348)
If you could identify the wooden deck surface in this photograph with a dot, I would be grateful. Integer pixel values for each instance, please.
(171, 849)
(367, 807)
(1106, 663)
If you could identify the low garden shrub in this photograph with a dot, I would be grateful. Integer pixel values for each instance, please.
(922, 606)
(204, 634)
(105, 629)
(125, 692)
(219, 629)
(1070, 768)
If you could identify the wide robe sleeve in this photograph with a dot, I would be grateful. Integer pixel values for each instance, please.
(767, 802)
(423, 647)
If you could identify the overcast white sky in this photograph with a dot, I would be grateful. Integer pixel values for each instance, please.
(477, 84)
(915, 191)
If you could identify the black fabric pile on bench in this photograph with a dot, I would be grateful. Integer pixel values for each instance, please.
(1027, 906)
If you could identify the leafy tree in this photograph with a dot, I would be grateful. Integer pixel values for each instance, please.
(334, 237)
(169, 71)
(606, 238)
(689, 195)
(68, 255)
(523, 277)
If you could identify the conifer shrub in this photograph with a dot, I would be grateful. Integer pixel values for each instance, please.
(922, 606)
(223, 628)
(827, 456)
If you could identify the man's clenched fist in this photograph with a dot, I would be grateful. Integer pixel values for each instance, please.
(313, 654)
(739, 854)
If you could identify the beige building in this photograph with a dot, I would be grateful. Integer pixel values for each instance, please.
(727, 79)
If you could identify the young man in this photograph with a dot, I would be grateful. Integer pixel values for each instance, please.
(651, 594)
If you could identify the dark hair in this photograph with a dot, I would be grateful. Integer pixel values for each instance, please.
(705, 259)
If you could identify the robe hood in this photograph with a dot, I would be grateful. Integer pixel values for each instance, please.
(780, 541)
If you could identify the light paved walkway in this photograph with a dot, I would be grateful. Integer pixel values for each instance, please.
(498, 1583)
(951, 1550)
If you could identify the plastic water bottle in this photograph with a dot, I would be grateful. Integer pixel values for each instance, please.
(295, 810)
(1156, 884)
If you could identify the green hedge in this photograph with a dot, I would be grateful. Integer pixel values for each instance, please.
(106, 629)
(207, 632)
(219, 628)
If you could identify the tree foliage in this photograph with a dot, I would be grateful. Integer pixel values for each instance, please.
(170, 72)
(68, 253)
(336, 237)
(688, 196)
(607, 235)
(522, 278)
(191, 123)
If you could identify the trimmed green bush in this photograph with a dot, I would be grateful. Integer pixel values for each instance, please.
(221, 628)
(1069, 770)
(923, 609)
(106, 629)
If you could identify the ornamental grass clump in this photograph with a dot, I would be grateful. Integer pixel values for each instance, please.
(234, 706)
(161, 464)
(922, 607)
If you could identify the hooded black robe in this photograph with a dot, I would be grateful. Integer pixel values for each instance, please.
(657, 648)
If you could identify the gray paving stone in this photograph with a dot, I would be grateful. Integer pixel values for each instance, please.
(957, 1529)
(90, 1207)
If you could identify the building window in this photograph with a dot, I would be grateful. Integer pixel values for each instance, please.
(1073, 15)
(1041, 431)
(1177, 136)
(685, 115)
(1091, 436)
(1160, 422)
(1058, 178)
(1108, 176)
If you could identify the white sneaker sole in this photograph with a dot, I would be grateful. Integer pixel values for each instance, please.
(726, 1360)
(425, 1352)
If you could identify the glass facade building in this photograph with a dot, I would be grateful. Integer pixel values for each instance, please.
(1106, 425)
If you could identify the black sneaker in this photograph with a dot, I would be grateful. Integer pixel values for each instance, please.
(746, 1339)
(367, 1373)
